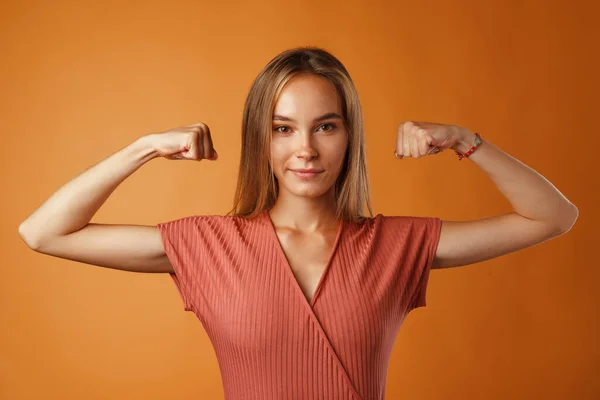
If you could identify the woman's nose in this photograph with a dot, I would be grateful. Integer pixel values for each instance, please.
(307, 153)
(305, 146)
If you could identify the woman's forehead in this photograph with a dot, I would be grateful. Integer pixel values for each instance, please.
(307, 97)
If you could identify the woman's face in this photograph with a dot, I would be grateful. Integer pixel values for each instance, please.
(308, 132)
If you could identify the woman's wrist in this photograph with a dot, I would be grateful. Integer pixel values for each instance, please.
(144, 148)
(465, 141)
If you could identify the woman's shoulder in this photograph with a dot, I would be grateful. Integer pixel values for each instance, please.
(223, 220)
(208, 225)
(394, 220)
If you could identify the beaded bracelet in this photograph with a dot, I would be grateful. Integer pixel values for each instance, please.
(472, 149)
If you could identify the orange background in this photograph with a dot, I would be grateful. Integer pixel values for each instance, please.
(80, 81)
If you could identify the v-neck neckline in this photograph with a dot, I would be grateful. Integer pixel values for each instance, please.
(288, 267)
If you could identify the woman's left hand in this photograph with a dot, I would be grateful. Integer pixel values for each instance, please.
(418, 139)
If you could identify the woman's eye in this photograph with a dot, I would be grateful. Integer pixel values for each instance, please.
(278, 129)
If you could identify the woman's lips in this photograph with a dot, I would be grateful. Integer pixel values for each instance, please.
(306, 175)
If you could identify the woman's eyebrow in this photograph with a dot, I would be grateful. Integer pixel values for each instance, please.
(330, 115)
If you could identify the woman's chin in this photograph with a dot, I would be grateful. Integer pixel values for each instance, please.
(309, 190)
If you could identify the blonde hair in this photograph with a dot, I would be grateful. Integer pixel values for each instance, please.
(257, 186)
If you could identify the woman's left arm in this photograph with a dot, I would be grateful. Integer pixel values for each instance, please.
(540, 213)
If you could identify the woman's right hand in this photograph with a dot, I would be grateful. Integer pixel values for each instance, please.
(190, 142)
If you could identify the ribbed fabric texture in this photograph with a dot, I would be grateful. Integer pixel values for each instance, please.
(270, 342)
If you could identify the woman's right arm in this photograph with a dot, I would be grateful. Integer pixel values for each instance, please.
(60, 227)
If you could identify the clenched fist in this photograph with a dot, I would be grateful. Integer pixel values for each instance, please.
(417, 139)
(191, 142)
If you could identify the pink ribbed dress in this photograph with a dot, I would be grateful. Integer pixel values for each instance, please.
(270, 342)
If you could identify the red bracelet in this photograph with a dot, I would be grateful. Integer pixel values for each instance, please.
(472, 149)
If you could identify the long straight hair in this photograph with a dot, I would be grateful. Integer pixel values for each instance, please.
(257, 186)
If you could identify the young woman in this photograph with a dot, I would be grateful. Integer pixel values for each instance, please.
(301, 294)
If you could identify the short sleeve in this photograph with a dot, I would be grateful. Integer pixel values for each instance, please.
(183, 245)
(428, 236)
